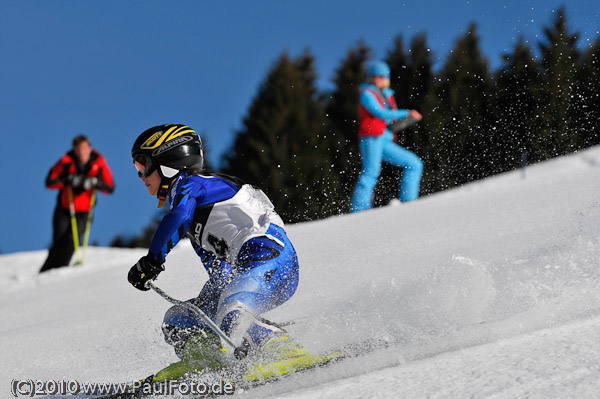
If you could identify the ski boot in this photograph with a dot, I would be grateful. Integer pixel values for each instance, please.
(203, 351)
(280, 355)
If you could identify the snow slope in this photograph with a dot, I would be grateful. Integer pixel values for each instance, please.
(491, 290)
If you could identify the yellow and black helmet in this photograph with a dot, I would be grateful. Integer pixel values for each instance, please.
(169, 149)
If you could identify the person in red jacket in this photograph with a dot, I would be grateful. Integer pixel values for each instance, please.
(81, 170)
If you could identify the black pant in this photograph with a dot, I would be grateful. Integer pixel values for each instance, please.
(62, 238)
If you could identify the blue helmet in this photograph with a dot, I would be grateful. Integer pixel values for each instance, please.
(379, 68)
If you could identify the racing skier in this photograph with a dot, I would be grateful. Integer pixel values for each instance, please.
(241, 240)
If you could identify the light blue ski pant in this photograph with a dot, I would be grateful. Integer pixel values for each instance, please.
(374, 150)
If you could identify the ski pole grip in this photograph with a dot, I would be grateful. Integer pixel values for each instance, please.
(150, 284)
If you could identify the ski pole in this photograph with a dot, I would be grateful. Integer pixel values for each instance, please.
(194, 310)
(73, 223)
(88, 226)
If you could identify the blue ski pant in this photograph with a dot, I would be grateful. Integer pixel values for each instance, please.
(374, 150)
(265, 276)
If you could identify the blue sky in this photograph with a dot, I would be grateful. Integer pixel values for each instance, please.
(112, 68)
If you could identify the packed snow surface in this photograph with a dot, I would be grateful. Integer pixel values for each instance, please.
(490, 290)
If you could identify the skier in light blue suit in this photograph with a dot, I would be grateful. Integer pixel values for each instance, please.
(377, 110)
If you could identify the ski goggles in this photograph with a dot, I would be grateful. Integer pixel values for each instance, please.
(143, 165)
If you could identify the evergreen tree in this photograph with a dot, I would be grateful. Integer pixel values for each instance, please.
(587, 120)
(417, 138)
(463, 131)
(401, 73)
(517, 107)
(559, 59)
(283, 147)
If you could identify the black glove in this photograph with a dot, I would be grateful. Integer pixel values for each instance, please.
(81, 183)
(403, 123)
(90, 182)
(77, 182)
(142, 272)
